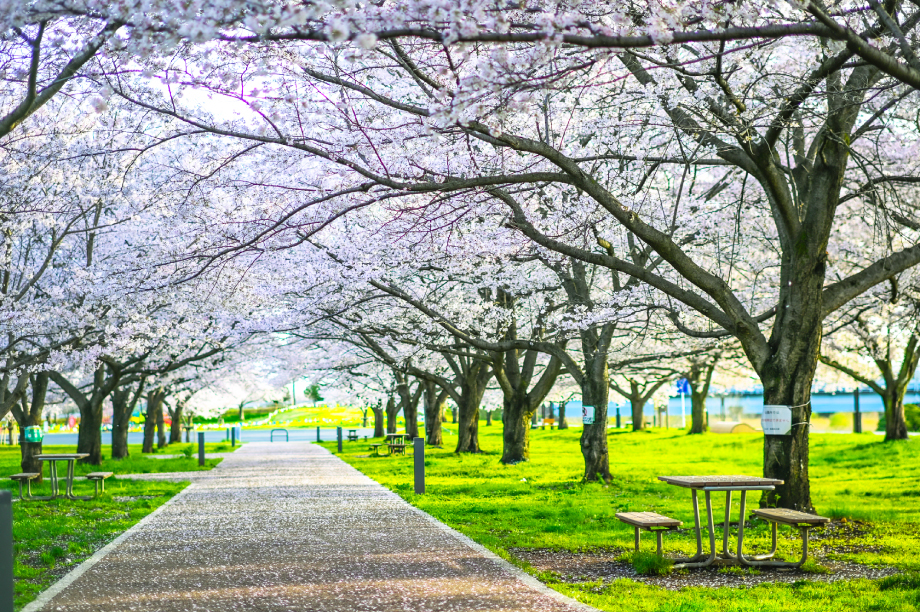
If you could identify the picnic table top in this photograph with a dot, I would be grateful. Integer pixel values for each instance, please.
(352, 431)
(60, 456)
(698, 482)
(396, 435)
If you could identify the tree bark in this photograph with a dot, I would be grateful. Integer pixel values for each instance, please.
(699, 378)
(895, 419)
(392, 410)
(595, 389)
(175, 428)
(378, 420)
(435, 398)
(154, 405)
(472, 388)
(488, 418)
(453, 415)
(408, 401)
(123, 403)
(563, 424)
(89, 436)
(161, 428)
(787, 382)
(29, 414)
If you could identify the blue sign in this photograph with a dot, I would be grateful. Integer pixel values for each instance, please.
(683, 385)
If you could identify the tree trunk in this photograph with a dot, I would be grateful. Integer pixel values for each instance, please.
(89, 434)
(31, 416)
(161, 429)
(434, 413)
(378, 420)
(392, 410)
(698, 413)
(895, 419)
(121, 417)
(637, 404)
(516, 433)
(786, 457)
(242, 413)
(154, 405)
(453, 415)
(562, 422)
(594, 392)
(175, 429)
(472, 388)
(488, 418)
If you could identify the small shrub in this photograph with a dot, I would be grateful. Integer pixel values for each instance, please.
(188, 451)
(650, 564)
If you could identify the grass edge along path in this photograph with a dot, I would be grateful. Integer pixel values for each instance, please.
(51, 538)
(541, 504)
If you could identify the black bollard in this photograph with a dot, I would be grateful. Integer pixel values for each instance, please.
(6, 551)
(201, 448)
(419, 451)
(338, 437)
(857, 415)
(233, 437)
(317, 435)
(618, 416)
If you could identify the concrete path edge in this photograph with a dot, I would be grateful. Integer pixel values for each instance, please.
(485, 552)
(45, 596)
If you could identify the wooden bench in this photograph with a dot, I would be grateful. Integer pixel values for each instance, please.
(25, 477)
(799, 520)
(98, 478)
(376, 448)
(650, 521)
(397, 449)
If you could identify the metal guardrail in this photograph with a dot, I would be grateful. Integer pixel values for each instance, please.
(271, 436)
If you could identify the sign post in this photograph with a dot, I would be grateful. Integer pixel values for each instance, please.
(776, 420)
(683, 386)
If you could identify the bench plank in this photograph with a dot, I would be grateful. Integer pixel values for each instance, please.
(790, 517)
(99, 475)
(25, 476)
(647, 519)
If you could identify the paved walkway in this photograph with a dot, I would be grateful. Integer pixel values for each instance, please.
(287, 526)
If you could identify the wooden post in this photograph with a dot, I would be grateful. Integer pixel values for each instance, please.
(419, 456)
(6, 551)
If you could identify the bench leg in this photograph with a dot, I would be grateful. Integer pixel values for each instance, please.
(637, 539)
(803, 530)
(712, 540)
(96, 489)
(658, 535)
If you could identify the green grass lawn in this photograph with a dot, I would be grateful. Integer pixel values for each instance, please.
(543, 504)
(135, 463)
(52, 537)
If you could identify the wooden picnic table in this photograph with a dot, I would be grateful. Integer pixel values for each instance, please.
(352, 435)
(712, 484)
(71, 459)
(396, 443)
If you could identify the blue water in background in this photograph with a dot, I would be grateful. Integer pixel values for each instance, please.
(752, 403)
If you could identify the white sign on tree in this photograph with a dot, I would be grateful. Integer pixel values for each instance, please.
(776, 420)
(587, 415)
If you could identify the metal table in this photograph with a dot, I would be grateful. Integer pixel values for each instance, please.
(71, 459)
(709, 485)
